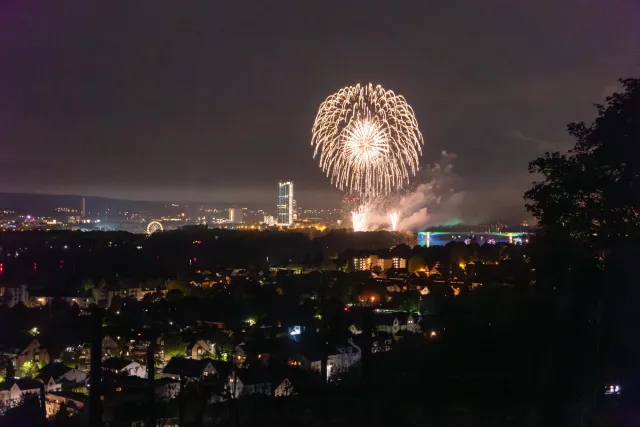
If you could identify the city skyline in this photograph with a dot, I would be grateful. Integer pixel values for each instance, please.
(226, 108)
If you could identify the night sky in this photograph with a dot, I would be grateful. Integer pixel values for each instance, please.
(214, 100)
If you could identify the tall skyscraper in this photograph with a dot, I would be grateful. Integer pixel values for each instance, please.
(84, 208)
(236, 215)
(285, 203)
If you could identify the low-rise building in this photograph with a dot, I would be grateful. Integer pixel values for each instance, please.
(14, 294)
(377, 262)
(33, 352)
(200, 349)
(120, 366)
(55, 401)
(339, 358)
(83, 302)
(57, 376)
(136, 348)
(190, 368)
(12, 392)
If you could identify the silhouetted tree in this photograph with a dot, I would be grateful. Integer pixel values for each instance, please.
(588, 211)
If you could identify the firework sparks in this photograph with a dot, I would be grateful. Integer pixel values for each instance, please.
(394, 218)
(359, 220)
(368, 140)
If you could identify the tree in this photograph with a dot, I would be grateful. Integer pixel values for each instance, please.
(174, 295)
(28, 412)
(5, 299)
(180, 285)
(591, 193)
(174, 346)
(29, 369)
(223, 351)
(416, 263)
(588, 211)
(87, 286)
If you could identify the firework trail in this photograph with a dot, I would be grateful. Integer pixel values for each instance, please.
(394, 218)
(359, 220)
(368, 140)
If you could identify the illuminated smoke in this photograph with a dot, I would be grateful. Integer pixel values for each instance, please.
(394, 218)
(359, 220)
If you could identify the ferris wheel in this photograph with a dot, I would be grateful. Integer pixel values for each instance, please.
(154, 226)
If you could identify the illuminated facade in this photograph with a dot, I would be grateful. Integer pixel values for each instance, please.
(364, 263)
(236, 215)
(285, 203)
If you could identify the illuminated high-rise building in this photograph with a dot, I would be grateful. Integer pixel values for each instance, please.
(285, 203)
(236, 215)
(296, 216)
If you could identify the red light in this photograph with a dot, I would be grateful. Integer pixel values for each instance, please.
(195, 259)
(35, 267)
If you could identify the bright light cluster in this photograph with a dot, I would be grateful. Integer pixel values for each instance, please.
(359, 220)
(154, 227)
(368, 140)
(394, 219)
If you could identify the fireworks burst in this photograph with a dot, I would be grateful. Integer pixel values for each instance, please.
(359, 220)
(368, 140)
(394, 218)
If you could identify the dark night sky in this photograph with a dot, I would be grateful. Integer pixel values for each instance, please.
(214, 100)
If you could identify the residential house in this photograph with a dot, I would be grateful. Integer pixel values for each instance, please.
(394, 288)
(136, 348)
(190, 368)
(199, 349)
(339, 358)
(387, 322)
(13, 294)
(52, 385)
(12, 392)
(119, 366)
(121, 290)
(381, 342)
(55, 401)
(111, 346)
(393, 323)
(33, 352)
(239, 355)
(355, 328)
(285, 388)
(413, 323)
(80, 355)
(377, 262)
(436, 271)
(83, 302)
(211, 324)
(167, 388)
(57, 376)
(247, 382)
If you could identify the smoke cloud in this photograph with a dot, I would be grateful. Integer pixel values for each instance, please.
(439, 202)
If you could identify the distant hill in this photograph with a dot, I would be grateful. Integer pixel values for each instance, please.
(45, 204)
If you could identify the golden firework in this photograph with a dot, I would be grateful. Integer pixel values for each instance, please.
(368, 140)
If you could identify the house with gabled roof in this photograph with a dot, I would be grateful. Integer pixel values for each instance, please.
(58, 376)
(120, 366)
(12, 392)
(33, 352)
(191, 368)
